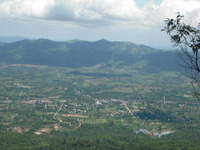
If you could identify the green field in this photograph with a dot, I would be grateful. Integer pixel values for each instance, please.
(40, 104)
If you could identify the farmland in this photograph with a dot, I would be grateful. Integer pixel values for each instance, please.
(41, 100)
(35, 93)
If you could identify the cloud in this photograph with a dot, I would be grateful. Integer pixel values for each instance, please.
(67, 10)
(99, 12)
(26, 8)
(155, 14)
(189, 8)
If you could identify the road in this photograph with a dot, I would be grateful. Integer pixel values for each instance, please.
(58, 111)
(131, 112)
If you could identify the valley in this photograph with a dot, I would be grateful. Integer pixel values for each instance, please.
(33, 97)
(106, 105)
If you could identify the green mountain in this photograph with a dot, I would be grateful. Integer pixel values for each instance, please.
(77, 53)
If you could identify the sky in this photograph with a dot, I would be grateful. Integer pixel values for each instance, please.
(137, 21)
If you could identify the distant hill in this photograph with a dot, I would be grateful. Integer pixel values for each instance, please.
(77, 53)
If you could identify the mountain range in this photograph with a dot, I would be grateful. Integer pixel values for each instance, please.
(77, 53)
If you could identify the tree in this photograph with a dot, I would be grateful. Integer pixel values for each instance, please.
(187, 38)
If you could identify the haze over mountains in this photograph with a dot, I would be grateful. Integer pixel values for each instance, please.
(77, 53)
(9, 39)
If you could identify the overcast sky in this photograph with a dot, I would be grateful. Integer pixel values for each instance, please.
(138, 21)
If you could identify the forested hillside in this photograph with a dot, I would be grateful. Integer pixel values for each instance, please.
(78, 53)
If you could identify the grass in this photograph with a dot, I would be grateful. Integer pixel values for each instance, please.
(96, 121)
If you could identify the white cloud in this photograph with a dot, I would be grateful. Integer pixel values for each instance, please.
(27, 8)
(66, 10)
(115, 19)
(99, 11)
(156, 14)
(92, 11)
(186, 7)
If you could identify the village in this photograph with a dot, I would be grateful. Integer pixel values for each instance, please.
(66, 114)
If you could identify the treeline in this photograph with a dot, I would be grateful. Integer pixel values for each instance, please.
(103, 137)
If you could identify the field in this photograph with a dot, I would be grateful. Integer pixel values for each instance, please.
(40, 100)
